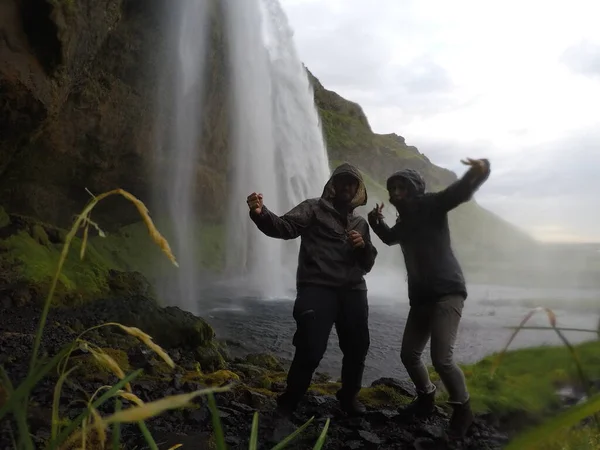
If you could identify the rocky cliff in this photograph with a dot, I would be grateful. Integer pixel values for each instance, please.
(78, 83)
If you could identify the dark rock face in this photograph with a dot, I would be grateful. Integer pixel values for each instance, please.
(78, 82)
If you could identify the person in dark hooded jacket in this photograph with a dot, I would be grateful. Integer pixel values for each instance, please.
(335, 254)
(436, 285)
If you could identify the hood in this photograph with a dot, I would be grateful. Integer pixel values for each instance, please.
(360, 199)
(415, 180)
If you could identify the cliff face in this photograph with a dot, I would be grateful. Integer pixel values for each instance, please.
(78, 83)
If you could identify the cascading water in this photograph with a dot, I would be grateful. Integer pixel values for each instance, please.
(177, 144)
(278, 146)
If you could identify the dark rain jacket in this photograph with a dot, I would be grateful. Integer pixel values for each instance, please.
(424, 236)
(326, 255)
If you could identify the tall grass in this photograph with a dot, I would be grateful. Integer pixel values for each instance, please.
(551, 428)
(89, 429)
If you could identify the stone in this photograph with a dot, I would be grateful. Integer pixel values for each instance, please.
(404, 387)
(370, 437)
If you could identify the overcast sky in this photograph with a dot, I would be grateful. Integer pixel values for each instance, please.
(517, 82)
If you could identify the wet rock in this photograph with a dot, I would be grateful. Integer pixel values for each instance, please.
(370, 437)
(232, 440)
(242, 407)
(5, 302)
(381, 428)
(381, 416)
(278, 386)
(21, 296)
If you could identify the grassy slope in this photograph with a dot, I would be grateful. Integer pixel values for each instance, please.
(30, 250)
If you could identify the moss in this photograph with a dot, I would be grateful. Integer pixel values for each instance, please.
(91, 370)
(382, 396)
(39, 235)
(219, 378)
(262, 382)
(210, 358)
(325, 388)
(249, 370)
(264, 360)
(581, 438)
(118, 263)
(37, 264)
(527, 379)
(258, 390)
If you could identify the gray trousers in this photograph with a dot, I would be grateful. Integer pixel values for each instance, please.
(438, 321)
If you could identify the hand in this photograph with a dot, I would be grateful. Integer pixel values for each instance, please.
(480, 166)
(255, 202)
(356, 239)
(376, 215)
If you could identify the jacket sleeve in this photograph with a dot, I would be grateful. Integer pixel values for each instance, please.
(460, 191)
(388, 236)
(368, 253)
(289, 226)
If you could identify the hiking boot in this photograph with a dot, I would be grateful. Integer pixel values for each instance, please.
(461, 420)
(285, 406)
(350, 404)
(422, 406)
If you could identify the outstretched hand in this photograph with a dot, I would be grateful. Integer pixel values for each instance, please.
(356, 239)
(376, 215)
(255, 202)
(481, 166)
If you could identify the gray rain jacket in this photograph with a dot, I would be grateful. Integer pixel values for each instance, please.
(424, 236)
(326, 255)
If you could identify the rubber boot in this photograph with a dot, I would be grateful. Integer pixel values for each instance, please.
(461, 420)
(350, 404)
(422, 406)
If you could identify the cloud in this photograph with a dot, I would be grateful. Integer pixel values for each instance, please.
(454, 82)
(583, 58)
(550, 190)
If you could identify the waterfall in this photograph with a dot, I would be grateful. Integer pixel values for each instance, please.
(178, 143)
(277, 143)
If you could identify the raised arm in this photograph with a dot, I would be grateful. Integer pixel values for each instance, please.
(289, 226)
(388, 236)
(463, 189)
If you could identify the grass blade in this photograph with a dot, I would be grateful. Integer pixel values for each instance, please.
(216, 421)
(577, 330)
(99, 401)
(549, 428)
(147, 435)
(56, 401)
(116, 428)
(288, 439)
(254, 433)
(551, 319)
(321, 440)
(151, 409)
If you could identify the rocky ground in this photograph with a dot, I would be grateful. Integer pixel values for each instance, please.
(203, 361)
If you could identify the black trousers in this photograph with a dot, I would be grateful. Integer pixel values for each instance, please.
(316, 310)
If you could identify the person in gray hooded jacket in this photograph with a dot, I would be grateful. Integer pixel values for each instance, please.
(436, 285)
(335, 254)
